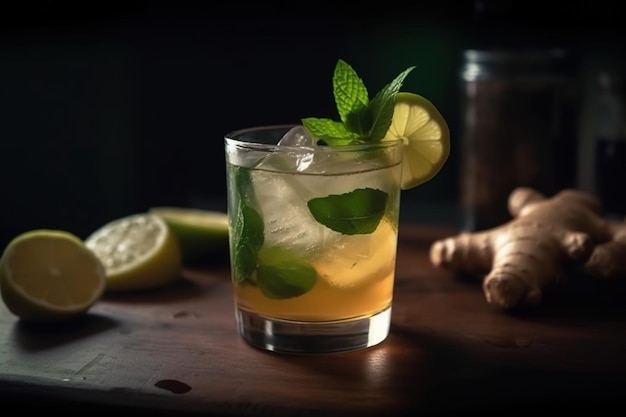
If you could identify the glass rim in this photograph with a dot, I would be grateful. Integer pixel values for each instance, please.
(234, 138)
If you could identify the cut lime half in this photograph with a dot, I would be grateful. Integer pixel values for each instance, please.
(202, 234)
(138, 252)
(49, 275)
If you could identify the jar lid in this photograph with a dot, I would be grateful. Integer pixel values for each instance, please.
(492, 64)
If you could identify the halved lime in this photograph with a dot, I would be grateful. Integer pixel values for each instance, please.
(138, 252)
(202, 234)
(49, 275)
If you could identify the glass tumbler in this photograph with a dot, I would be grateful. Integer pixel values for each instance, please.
(313, 235)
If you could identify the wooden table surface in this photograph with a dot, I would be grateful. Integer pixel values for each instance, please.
(175, 351)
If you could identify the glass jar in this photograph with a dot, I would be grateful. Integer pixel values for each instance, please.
(610, 143)
(519, 128)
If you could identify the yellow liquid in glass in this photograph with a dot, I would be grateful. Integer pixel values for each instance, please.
(355, 279)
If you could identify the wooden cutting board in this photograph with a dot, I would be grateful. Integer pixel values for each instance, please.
(176, 349)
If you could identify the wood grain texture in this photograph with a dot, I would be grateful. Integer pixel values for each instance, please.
(176, 351)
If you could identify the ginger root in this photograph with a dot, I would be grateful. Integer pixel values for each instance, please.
(547, 239)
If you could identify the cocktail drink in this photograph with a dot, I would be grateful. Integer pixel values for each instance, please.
(315, 231)
(313, 220)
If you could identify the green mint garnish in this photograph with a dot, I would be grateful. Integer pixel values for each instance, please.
(281, 274)
(362, 120)
(356, 212)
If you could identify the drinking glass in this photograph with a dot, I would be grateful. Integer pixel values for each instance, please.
(313, 234)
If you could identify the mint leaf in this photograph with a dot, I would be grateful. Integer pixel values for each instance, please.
(360, 122)
(281, 274)
(356, 212)
(248, 240)
(382, 107)
(349, 90)
(248, 227)
(330, 131)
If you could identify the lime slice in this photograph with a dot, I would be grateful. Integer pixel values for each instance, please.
(138, 252)
(48, 275)
(202, 234)
(426, 137)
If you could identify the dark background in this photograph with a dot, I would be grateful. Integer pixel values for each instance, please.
(110, 108)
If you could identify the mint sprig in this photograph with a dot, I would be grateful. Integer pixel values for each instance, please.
(362, 120)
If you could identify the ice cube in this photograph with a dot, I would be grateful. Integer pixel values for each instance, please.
(282, 201)
(297, 157)
(297, 136)
(282, 198)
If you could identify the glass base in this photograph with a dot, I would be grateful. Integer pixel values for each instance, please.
(312, 337)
